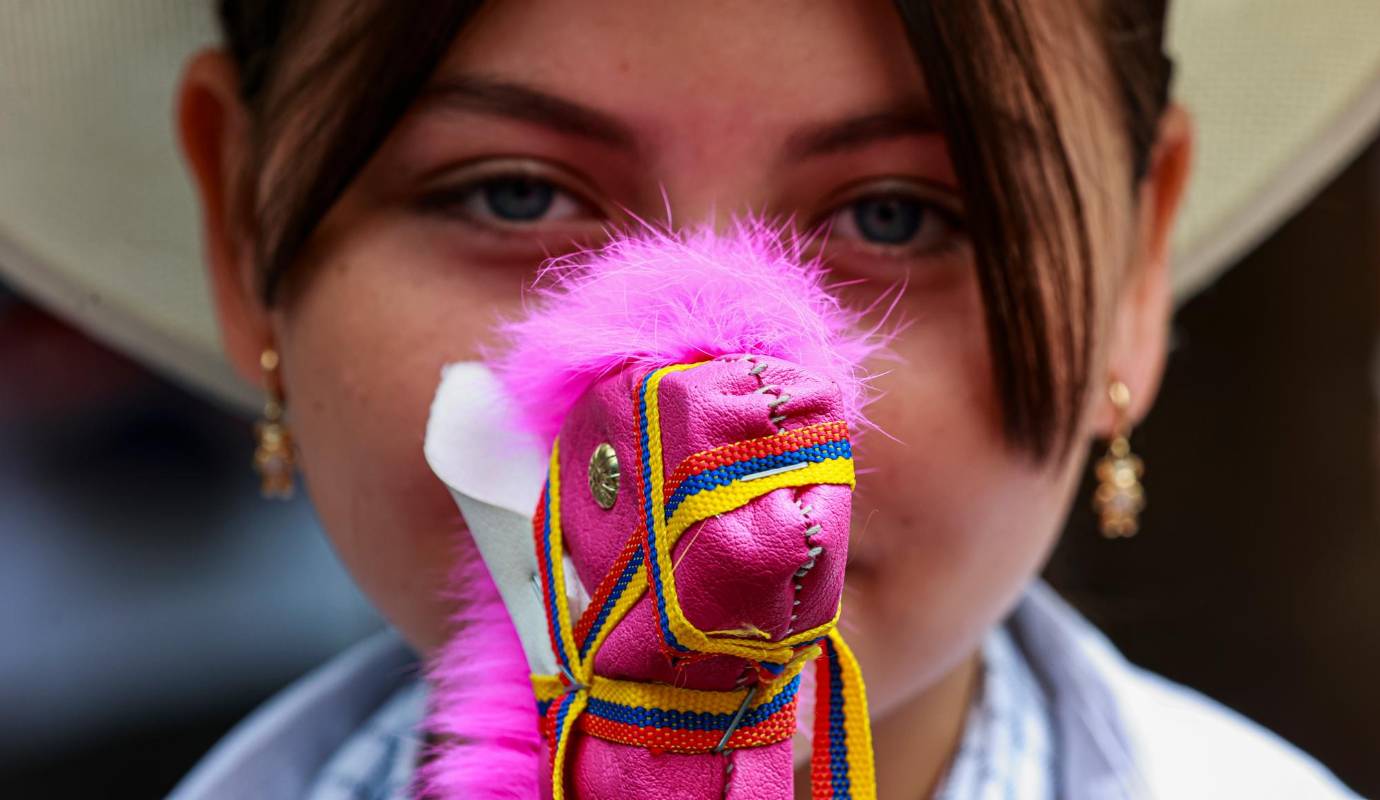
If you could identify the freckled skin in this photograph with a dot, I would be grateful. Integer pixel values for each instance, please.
(950, 521)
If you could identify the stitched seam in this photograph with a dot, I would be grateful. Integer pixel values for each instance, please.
(812, 528)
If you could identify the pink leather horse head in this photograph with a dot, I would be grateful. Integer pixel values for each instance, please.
(695, 393)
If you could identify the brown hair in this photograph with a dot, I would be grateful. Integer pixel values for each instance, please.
(331, 105)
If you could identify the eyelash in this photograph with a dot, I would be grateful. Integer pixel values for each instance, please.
(451, 201)
(836, 222)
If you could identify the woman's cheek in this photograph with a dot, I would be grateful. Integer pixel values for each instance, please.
(950, 521)
(362, 354)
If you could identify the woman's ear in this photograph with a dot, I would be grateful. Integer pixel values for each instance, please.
(1142, 308)
(213, 130)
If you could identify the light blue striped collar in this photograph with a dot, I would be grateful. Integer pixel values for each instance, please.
(1007, 748)
(377, 761)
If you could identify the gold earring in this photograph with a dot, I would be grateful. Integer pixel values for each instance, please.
(273, 458)
(1119, 498)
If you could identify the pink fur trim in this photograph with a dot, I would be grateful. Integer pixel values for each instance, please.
(657, 297)
(482, 708)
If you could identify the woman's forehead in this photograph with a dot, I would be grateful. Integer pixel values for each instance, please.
(711, 67)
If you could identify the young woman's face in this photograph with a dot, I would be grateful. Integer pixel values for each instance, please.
(544, 122)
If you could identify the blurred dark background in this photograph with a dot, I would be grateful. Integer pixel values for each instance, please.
(149, 599)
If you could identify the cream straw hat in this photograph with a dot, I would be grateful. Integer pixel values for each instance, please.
(98, 221)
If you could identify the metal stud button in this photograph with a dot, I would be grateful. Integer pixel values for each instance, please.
(603, 475)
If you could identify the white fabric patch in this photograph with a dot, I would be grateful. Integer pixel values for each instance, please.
(496, 477)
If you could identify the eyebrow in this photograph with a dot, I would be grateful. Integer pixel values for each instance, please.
(864, 129)
(500, 98)
(525, 103)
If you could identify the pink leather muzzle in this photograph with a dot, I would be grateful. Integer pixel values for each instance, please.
(766, 575)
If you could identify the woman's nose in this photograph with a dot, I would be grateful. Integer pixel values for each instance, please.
(715, 195)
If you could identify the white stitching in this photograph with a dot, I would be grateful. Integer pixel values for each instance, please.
(814, 552)
(812, 528)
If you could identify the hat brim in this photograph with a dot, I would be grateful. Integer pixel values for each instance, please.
(98, 220)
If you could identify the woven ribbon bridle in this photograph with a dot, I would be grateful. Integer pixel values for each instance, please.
(666, 718)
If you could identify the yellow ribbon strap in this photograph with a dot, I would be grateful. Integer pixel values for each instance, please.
(841, 764)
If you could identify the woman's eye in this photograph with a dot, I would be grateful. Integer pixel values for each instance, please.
(511, 200)
(894, 221)
(517, 199)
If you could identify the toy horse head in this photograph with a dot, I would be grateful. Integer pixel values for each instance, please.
(694, 395)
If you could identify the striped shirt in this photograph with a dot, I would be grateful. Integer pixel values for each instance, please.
(376, 762)
(1059, 713)
(1007, 748)
(1005, 752)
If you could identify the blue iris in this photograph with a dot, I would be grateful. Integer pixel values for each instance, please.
(518, 199)
(888, 220)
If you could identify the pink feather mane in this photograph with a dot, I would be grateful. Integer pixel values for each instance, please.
(657, 297)
(481, 712)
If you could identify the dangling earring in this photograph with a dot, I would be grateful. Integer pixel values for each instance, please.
(273, 458)
(1119, 498)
